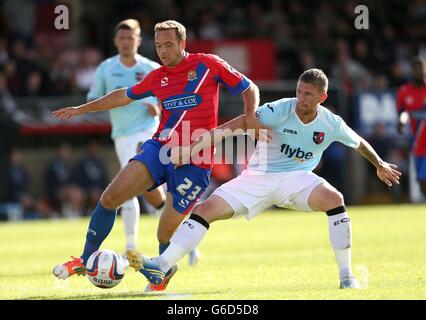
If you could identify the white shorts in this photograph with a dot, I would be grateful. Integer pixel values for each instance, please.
(249, 193)
(126, 146)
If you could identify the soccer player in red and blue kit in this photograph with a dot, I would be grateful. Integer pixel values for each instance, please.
(188, 87)
(411, 97)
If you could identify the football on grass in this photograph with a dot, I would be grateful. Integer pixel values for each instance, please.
(105, 268)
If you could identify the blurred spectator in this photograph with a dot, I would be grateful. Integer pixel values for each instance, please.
(381, 141)
(61, 76)
(8, 106)
(7, 103)
(13, 80)
(297, 18)
(397, 76)
(257, 18)
(353, 75)
(363, 55)
(209, 29)
(410, 103)
(20, 18)
(24, 66)
(44, 54)
(4, 55)
(398, 156)
(33, 87)
(85, 72)
(91, 175)
(147, 34)
(389, 149)
(286, 48)
(18, 181)
(384, 49)
(64, 195)
(306, 60)
(275, 14)
(378, 82)
(321, 45)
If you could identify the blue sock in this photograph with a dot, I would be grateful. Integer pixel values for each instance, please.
(162, 247)
(100, 225)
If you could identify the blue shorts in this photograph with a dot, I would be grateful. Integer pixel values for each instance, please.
(420, 163)
(186, 183)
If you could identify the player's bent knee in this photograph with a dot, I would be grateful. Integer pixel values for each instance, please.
(208, 211)
(108, 200)
(333, 200)
(200, 209)
(325, 197)
(204, 210)
(338, 198)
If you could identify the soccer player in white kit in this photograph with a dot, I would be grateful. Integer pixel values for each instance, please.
(280, 173)
(134, 123)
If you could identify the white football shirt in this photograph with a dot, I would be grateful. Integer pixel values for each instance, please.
(296, 145)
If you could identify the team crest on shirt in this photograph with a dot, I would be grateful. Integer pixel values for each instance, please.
(192, 75)
(318, 137)
(139, 76)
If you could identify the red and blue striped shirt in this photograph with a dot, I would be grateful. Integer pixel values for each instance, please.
(189, 95)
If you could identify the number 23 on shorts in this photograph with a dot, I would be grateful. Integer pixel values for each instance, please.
(183, 188)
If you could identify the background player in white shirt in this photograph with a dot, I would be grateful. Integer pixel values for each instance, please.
(134, 123)
(280, 173)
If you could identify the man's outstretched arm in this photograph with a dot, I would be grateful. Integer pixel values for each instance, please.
(182, 155)
(385, 171)
(112, 100)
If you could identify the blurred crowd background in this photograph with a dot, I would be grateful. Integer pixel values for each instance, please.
(42, 68)
(306, 34)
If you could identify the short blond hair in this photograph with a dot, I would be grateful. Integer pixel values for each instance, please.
(316, 77)
(172, 24)
(128, 24)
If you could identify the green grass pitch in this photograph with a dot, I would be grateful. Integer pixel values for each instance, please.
(278, 255)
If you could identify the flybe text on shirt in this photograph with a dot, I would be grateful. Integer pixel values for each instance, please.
(293, 152)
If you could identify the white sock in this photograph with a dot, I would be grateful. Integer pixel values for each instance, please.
(339, 228)
(343, 258)
(186, 238)
(130, 215)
